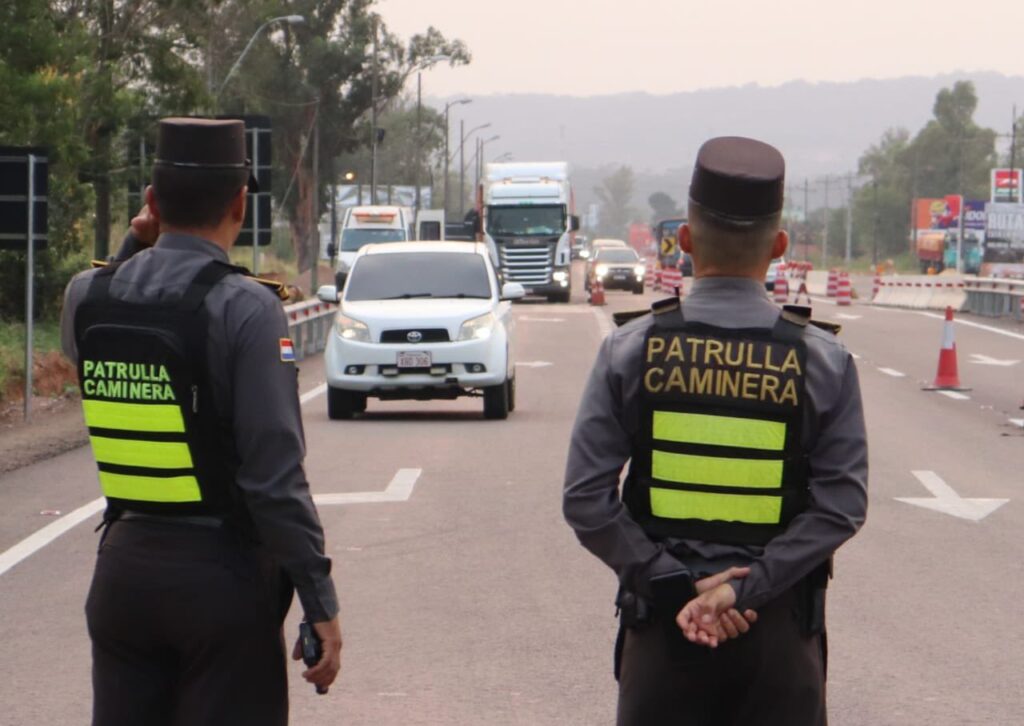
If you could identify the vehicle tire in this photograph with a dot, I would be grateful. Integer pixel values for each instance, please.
(511, 383)
(496, 401)
(343, 405)
(638, 290)
(560, 297)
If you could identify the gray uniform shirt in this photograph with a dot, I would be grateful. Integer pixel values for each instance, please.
(608, 419)
(252, 387)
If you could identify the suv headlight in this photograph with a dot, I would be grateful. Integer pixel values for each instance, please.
(351, 329)
(639, 270)
(477, 328)
(601, 270)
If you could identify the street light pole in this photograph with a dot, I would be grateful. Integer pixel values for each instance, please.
(290, 19)
(463, 135)
(447, 159)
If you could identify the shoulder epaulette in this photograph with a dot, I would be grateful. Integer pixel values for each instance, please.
(624, 316)
(96, 264)
(834, 328)
(666, 305)
(278, 288)
(797, 314)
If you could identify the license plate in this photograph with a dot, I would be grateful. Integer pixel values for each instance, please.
(414, 360)
(619, 276)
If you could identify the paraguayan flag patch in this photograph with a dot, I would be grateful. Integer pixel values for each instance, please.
(287, 350)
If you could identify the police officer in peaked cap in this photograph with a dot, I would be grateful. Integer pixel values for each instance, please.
(743, 428)
(189, 389)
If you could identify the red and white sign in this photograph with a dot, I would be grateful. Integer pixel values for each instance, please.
(1006, 185)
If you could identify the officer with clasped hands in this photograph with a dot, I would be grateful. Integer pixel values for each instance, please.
(744, 432)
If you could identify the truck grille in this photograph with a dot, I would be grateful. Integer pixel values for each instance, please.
(527, 265)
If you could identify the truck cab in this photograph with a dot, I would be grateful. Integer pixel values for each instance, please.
(527, 222)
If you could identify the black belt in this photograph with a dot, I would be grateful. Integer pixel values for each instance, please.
(213, 522)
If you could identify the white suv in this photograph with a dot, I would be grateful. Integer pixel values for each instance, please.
(421, 320)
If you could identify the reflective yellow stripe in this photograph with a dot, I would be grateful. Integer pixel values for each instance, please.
(699, 428)
(133, 416)
(717, 471)
(132, 452)
(150, 488)
(747, 508)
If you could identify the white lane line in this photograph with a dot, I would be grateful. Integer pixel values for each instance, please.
(892, 372)
(533, 364)
(844, 316)
(1017, 422)
(823, 300)
(855, 356)
(972, 324)
(956, 395)
(399, 490)
(984, 360)
(42, 537)
(604, 325)
(572, 309)
(36, 541)
(313, 393)
(531, 319)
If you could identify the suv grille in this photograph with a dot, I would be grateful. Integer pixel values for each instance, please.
(430, 335)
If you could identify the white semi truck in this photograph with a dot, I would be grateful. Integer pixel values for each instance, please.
(527, 221)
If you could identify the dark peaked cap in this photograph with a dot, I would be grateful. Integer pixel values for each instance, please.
(203, 144)
(738, 178)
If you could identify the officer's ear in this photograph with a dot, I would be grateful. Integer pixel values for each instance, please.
(685, 239)
(238, 206)
(780, 244)
(154, 208)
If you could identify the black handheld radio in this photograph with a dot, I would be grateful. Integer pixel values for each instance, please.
(312, 648)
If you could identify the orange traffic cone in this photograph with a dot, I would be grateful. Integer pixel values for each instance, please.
(597, 292)
(947, 378)
(780, 290)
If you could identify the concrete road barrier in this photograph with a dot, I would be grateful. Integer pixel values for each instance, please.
(922, 292)
(817, 282)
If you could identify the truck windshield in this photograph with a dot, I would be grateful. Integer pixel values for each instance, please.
(353, 239)
(418, 275)
(526, 220)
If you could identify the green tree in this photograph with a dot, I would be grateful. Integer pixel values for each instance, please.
(663, 206)
(615, 197)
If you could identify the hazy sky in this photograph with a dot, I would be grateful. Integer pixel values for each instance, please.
(586, 47)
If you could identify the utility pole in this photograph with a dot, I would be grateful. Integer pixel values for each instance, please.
(824, 237)
(849, 218)
(1013, 156)
(419, 136)
(373, 120)
(874, 236)
(315, 203)
(807, 216)
(462, 168)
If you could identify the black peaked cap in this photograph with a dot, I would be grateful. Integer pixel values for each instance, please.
(203, 144)
(738, 178)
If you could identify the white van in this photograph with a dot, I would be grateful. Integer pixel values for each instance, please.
(369, 225)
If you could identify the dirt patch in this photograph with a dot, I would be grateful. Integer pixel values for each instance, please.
(56, 426)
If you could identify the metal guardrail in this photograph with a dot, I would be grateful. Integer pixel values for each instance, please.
(309, 324)
(995, 297)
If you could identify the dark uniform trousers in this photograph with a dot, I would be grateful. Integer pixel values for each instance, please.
(185, 622)
(772, 676)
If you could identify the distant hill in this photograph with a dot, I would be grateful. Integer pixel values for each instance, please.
(821, 128)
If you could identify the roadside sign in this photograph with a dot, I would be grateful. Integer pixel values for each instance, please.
(259, 208)
(14, 197)
(1006, 185)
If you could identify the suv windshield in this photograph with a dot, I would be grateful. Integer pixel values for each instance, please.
(616, 254)
(526, 220)
(353, 239)
(418, 275)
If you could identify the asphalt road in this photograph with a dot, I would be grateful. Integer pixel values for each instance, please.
(466, 599)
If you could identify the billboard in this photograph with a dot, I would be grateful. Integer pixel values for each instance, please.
(938, 213)
(1003, 255)
(1006, 185)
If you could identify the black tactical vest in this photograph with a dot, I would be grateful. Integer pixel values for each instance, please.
(142, 367)
(719, 455)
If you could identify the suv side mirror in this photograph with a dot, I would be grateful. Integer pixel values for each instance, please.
(574, 223)
(512, 291)
(327, 293)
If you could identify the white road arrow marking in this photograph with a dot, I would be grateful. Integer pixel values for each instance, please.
(984, 360)
(892, 372)
(1017, 422)
(845, 316)
(948, 501)
(533, 364)
(541, 320)
(955, 395)
(399, 490)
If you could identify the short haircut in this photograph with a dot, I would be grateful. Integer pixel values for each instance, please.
(731, 244)
(195, 197)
